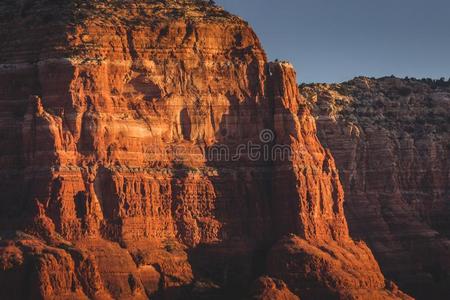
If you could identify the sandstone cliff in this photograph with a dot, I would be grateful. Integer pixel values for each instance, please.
(390, 138)
(110, 113)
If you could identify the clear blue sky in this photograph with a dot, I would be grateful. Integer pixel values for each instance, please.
(336, 40)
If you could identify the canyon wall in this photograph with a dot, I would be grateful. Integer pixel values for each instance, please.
(123, 173)
(390, 138)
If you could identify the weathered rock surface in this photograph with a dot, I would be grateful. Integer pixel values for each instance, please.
(30, 268)
(390, 138)
(115, 117)
(266, 288)
(337, 270)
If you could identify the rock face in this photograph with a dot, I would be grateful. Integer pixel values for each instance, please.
(390, 138)
(331, 270)
(266, 288)
(124, 126)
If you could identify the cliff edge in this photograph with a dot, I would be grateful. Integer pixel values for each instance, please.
(115, 182)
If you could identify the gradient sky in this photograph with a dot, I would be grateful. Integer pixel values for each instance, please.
(336, 40)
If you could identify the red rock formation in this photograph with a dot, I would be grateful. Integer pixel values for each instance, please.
(332, 270)
(30, 268)
(390, 140)
(321, 256)
(112, 111)
(266, 288)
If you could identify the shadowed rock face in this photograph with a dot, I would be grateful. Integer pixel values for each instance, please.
(110, 111)
(390, 138)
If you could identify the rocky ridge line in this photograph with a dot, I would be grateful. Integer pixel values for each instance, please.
(97, 98)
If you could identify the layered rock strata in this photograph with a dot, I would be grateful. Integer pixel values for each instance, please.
(390, 138)
(123, 124)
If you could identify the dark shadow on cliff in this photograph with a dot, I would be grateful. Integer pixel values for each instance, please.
(243, 186)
